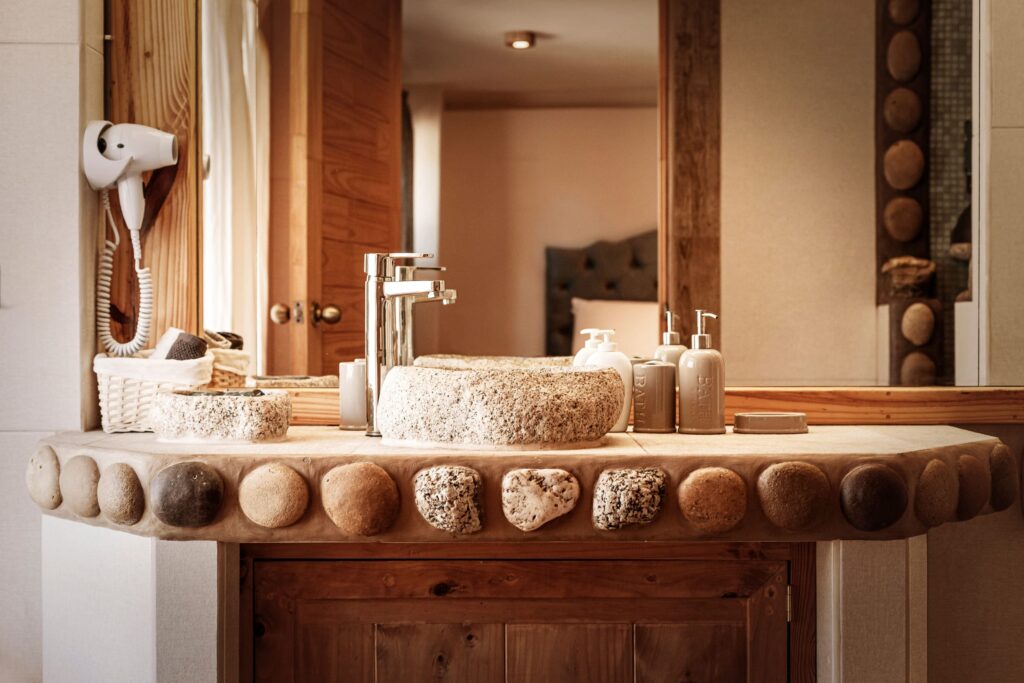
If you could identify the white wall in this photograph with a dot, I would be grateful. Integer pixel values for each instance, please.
(514, 181)
(49, 50)
(798, 226)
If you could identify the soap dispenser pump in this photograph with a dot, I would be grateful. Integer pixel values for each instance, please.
(609, 356)
(589, 348)
(670, 349)
(701, 384)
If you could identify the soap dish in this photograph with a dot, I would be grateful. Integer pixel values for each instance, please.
(770, 423)
(235, 416)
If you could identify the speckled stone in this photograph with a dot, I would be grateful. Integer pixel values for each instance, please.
(975, 486)
(360, 498)
(457, 362)
(531, 498)
(273, 496)
(918, 323)
(1005, 481)
(449, 498)
(186, 494)
(78, 481)
(793, 495)
(42, 478)
(936, 498)
(873, 497)
(120, 494)
(713, 499)
(510, 407)
(190, 416)
(623, 497)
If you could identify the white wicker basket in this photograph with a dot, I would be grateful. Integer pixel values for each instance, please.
(127, 386)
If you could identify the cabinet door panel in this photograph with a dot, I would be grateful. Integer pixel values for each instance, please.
(666, 653)
(440, 652)
(563, 652)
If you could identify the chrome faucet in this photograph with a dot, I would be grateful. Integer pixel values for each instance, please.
(391, 292)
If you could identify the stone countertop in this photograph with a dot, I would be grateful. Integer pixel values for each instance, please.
(841, 482)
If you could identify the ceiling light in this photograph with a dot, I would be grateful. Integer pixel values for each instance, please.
(520, 40)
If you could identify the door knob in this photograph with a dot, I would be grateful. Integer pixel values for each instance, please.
(329, 314)
(280, 313)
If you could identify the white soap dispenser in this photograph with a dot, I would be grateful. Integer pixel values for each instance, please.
(589, 348)
(670, 349)
(609, 356)
(701, 384)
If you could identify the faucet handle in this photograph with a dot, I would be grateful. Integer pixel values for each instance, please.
(383, 264)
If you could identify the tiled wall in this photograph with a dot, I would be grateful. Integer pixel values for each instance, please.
(51, 77)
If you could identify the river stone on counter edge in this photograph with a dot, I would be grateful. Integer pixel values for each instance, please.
(120, 494)
(448, 498)
(530, 498)
(42, 478)
(623, 497)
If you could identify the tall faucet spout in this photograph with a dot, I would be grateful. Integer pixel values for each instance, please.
(429, 288)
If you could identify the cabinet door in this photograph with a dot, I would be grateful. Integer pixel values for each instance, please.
(520, 620)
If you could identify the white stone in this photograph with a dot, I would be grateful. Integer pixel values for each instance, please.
(531, 498)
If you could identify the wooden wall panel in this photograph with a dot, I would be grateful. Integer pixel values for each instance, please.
(153, 79)
(361, 158)
(690, 104)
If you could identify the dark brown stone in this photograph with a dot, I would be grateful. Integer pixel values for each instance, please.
(902, 110)
(186, 494)
(793, 495)
(1005, 482)
(903, 58)
(903, 12)
(903, 218)
(78, 480)
(361, 498)
(936, 498)
(917, 370)
(903, 164)
(975, 486)
(713, 499)
(873, 497)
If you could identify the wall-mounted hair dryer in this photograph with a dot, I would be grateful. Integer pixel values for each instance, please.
(119, 155)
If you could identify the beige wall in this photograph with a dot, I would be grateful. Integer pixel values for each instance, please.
(516, 181)
(798, 233)
(1004, 227)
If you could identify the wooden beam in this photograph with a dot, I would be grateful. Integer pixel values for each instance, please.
(823, 405)
(153, 79)
(690, 118)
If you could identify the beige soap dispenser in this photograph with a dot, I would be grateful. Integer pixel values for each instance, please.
(670, 349)
(701, 384)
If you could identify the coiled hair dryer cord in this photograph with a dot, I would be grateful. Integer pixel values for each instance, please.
(103, 282)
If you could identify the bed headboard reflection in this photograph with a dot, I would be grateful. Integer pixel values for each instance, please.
(625, 271)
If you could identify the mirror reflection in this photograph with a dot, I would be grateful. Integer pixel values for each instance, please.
(519, 144)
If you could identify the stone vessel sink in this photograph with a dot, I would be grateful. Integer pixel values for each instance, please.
(497, 403)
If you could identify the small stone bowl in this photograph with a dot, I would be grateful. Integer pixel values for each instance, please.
(233, 416)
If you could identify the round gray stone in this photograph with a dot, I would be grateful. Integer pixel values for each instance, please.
(624, 497)
(186, 494)
(42, 478)
(79, 479)
(120, 494)
(449, 498)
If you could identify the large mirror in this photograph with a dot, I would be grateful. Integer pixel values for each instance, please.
(524, 145)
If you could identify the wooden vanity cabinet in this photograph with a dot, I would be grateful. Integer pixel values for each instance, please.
(527, 612)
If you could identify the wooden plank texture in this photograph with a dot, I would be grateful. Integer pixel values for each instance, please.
(585, 652)
(667, 653)
(443, 652)
(153, 80)
(690, 102)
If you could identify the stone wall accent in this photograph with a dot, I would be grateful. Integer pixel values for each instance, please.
(794, 495)
(120, 495)
(530, 498)
(273, 496)
(625, 497)
(449, 498)
(42, 478)
(975, 486)
(873, 496)
(360, 498)
(186, 494)
(78, 481)
(713, 499)
(937, 494)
